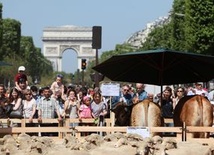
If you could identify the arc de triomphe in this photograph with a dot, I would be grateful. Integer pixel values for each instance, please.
(58, 39)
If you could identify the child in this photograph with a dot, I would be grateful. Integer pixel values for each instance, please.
(20, 75)
(85, 111)
(85, 108)
(57, 86)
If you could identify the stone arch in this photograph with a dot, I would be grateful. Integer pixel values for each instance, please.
(58, 39)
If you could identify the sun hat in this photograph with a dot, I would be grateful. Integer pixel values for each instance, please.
(21, 68)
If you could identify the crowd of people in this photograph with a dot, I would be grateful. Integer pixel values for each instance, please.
(54, 101)
(60, 101)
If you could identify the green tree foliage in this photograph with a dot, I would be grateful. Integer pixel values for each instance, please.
(178, 25)
(199, 26)
(20, 50)
(1, 29)
(11, 38)
(119, 49)
(160, 37)
(191, 28)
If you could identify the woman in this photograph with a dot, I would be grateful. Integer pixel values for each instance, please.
(15, 101)
(71, 106)
(179, 94)
(29, 104)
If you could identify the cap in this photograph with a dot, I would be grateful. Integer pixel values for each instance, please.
(21, 68)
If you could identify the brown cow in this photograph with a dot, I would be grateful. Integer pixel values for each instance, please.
(194, 110)
(144, 113)
(122, 114)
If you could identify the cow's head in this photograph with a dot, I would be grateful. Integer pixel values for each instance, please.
(122, 114)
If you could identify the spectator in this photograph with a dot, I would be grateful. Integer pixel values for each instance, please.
(34, 91)
(41, 94)
(15, 102)
(150, 97)
(60, 99)
(124, 96)
(3, 100)
(198, 90)
(211, 96)
(71, 106)
(2, 92)
(81, 94)
(47, 106)
(140, 94)
(36, 97)
(57, 86)
(90, 92)
(98, 107)
(22, 87)
(85, 109)
(29, 104)
(166, 103)
(180, 92)
(20, 75)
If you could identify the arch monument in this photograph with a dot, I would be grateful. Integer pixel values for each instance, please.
(58, 39)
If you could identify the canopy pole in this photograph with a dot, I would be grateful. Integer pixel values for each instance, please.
(161, 95)
(96, 73)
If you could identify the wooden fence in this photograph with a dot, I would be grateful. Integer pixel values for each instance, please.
(63, 128)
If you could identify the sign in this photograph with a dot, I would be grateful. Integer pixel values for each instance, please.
(110, 89)
(142, 131)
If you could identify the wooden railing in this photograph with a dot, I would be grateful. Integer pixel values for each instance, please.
(63, 128)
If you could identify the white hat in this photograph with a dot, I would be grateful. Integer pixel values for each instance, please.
(21, 68)
(199, 83)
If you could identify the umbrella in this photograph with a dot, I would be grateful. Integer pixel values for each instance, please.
(2, 63)
(158, 67)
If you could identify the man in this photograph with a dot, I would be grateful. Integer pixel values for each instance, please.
(47, 107)
(198, 90)
(150, 97)
(124, 96)
(20, 75)
(140, 94)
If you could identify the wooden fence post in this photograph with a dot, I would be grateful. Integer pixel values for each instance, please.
(184, 132)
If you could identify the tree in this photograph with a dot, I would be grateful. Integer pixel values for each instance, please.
(178, 25)
(199, 26)
(11, 38)
(1, 30)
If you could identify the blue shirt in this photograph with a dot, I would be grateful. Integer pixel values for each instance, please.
(127, 99)
(142, 95)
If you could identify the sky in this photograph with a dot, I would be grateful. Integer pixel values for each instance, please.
(119, 19)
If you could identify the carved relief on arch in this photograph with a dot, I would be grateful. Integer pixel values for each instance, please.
(51, 50)
(87, 50)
